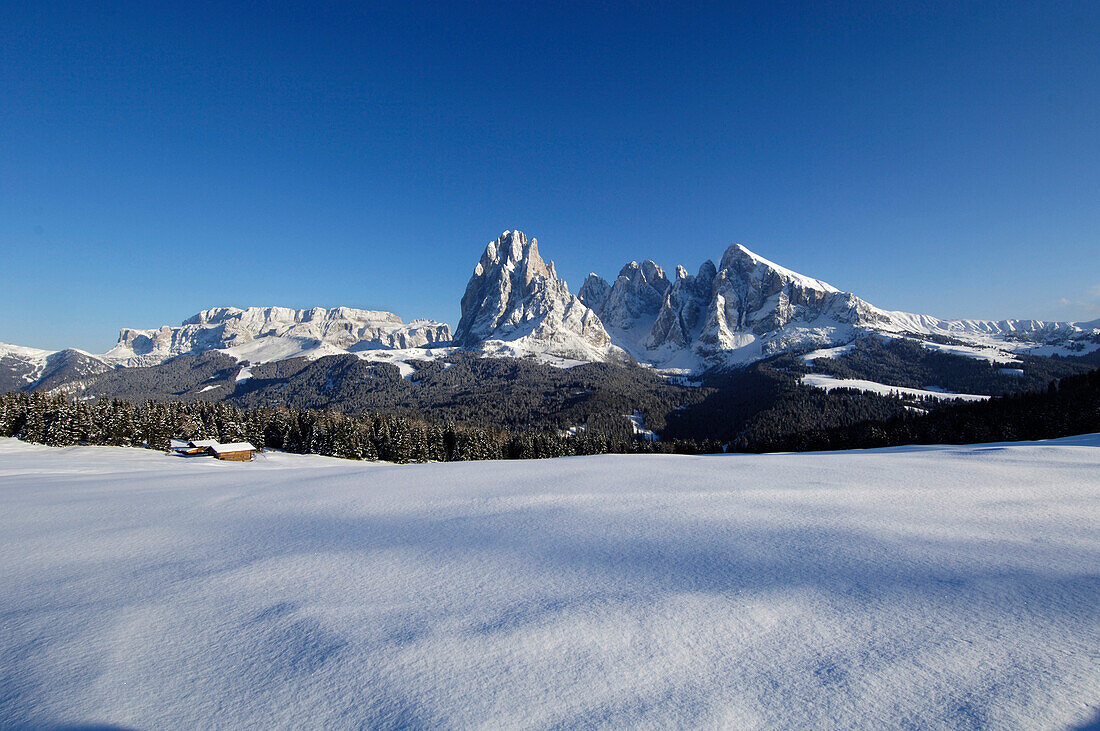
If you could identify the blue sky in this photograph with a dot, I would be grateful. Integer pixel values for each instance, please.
(941, 158)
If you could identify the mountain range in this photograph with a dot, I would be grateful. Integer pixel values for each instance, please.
(744, 309)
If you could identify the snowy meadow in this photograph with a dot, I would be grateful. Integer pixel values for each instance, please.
(924, 586)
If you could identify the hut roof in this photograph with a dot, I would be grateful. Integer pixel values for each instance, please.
(234, 447)
(204, 442)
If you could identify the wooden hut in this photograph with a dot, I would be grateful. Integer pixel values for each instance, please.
(235, 452)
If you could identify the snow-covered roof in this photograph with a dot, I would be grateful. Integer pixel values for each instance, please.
(234, 447)
(204, 443)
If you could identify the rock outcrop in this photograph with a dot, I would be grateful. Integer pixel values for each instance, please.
(629, 307)
(680, 319)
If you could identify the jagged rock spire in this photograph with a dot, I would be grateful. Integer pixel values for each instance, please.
(593, 293)
(515, 298)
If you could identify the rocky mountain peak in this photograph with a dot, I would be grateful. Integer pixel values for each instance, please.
(514, 252)
(745, 308)
(654, 276)
(707, 272)
(515, 300)
(747, 266)
(647, 273)
(682, 309)
(636, 296)
(593, 293)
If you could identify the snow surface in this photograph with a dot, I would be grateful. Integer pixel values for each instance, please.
(268, 349)
(933, 587)
(828, 353)
(531, 351)
(762, 263)
(992, 352)
(637, 423)
(403, 357)
(232, 447)
(24, 352)
(820, 380)
(272, 348)
(1077, 348)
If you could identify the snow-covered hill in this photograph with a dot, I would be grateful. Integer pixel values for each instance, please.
(931, 587)
(22, 368)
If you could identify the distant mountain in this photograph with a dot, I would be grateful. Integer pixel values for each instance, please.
(22, 368)
(254, 334)
(629, 307)
(743, 310)
(275, 333)
(748, 308)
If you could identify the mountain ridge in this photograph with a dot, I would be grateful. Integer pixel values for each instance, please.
(749, 307)
(317, 328)
(741, 310)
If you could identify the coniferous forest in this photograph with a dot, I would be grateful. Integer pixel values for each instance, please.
(58, 420)
(769, 412)
(1066, 407)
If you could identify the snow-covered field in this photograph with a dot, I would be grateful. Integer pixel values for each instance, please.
(924, 587)
(828, 383)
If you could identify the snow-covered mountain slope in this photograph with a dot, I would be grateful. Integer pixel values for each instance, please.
(255, 334)
(516, 305)
(274, 333)
(829, 383)
(69, 365)
(22, 367)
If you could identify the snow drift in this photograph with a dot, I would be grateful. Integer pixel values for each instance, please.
(926, 586)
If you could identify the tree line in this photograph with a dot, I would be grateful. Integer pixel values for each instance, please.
(1066, 407)
(911, 364)
(58, 420)
(778, 415)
